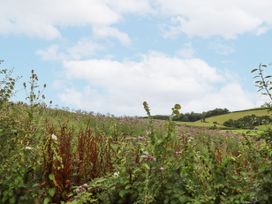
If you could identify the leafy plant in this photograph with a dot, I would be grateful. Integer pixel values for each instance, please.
(248, 122)
(7, 85)
(263, 190)
(263, 82)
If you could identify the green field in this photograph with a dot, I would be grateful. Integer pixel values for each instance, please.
(236, 115)
(199, 124)
(220, 119)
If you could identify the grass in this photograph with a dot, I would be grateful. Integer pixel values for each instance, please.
(220, 119)
(57, 156)
(200, 124)
(76, 157)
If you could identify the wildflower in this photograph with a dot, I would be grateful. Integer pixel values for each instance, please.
(54, 137)
(141, 138)
(28, 148)
(79, 190)
(82, 188)
(116, 174)
(178, 153)
(190, 139)
(147, 157)
(85, 185)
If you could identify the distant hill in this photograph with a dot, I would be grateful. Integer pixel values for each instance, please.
(220, 119)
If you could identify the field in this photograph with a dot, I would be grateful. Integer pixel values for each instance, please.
(54, 156)
(58, 156)
(236, 115)
(220, 119)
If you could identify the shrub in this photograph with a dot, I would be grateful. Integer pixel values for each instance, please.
(248, 122)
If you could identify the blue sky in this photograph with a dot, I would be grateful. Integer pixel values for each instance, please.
(109, 56)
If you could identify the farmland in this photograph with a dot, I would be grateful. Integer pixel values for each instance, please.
(217, 122)
(236, 115)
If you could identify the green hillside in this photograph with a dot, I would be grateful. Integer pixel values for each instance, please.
(220, 119)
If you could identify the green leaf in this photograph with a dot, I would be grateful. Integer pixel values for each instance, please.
(253, 70)
(46, 200)
(146, 166)
(51, 177)
(122, 193)
(51, 191)
(114, 147)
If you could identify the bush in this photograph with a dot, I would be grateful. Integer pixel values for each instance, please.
(248, 122)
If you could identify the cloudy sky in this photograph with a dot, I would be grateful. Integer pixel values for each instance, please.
(109, 56)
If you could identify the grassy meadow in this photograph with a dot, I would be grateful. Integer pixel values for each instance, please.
(220, 119)
(217, 122)
(57, 156)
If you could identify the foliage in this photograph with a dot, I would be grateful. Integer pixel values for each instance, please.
(162, 167)
(7, 85)
(220, 119)
(263, 82)
(248, 122)
(263, 187)
(58, 156)
(192, 117)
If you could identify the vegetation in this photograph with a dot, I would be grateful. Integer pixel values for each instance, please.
(249, 122)
(192, 117)
(238, 114)
(56, 156)
(219, 122)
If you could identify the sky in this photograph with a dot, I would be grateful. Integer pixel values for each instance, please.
(109, 56)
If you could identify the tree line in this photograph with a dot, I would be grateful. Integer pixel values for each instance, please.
(192, 116)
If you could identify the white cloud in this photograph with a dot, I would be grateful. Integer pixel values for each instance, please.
(51, 53)
(187, 51)
(226, 18)
(222, 48)
(120, 87)
(81, 49)
(130, 6)
(104, 32)
(43, 18)
(231, 95)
